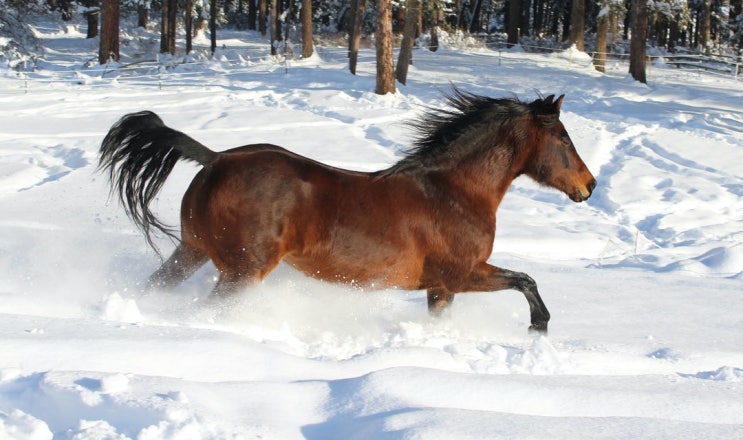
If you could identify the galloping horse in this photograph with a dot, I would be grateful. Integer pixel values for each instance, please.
(425, 223)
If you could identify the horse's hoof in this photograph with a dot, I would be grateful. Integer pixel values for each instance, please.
(539, 328)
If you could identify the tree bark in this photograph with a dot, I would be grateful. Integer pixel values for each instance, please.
(188, 24)
(167, 27)
(92, 17)
(578, 23)
(405, 58)
(262, 13)
(109, 46)
(142, 16)
(602, 31)
(705, 25)
(638, 39)
(273, 27)
(514, 18)
(354, 41)
(306, 28)
(252, 14)
(172, 22)
(213, 24)
(385, 57)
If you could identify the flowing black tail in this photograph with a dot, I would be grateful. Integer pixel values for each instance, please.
(139, 152)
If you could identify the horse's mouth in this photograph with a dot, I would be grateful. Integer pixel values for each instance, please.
(582, 194)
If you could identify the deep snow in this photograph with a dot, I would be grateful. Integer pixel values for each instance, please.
(643, 281)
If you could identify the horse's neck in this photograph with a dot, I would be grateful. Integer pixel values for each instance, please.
(483, 180)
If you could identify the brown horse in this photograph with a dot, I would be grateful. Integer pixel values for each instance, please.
(427, 222)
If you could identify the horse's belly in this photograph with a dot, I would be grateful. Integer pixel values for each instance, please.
(364, 272)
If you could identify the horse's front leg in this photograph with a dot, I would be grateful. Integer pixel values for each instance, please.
(487, 278)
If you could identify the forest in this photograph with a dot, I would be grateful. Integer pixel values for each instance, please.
(602, 28)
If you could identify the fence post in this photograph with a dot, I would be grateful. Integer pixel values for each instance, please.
(25, 78)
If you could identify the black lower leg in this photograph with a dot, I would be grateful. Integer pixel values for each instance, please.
(540, 316)
(180, 265)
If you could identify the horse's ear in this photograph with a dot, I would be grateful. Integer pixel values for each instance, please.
(558, 103)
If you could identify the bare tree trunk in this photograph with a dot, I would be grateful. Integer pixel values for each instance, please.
(213, 24)
(306, 28)
(273, 28)
(109, 47)
(602, 31)
(736, 11)
(172, 22)
(92, 17)
(637, 42)
(252, 14)
(189, 26)
(262, 13)
(405, 58)
(164, 27)
(705, 25)
(514, 18)
(578, 23)
(357, 20)
(385, 57)
(167, 29)
(142, 16)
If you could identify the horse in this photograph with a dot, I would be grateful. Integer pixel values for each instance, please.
(425, 223)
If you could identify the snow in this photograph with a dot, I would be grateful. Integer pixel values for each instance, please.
(643, 280)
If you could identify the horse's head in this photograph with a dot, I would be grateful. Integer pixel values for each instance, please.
(553, 160)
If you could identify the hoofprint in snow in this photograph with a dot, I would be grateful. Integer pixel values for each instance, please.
(643, 280)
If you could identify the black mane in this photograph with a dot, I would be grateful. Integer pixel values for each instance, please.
(438, 128)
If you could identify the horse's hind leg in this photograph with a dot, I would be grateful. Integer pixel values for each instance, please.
(244, 268)
(184, 261)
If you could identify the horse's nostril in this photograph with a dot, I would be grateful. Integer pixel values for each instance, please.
(591, 186)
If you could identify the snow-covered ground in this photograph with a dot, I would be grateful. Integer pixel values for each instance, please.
(644, 281)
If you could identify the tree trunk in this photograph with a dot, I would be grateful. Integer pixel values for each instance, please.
(385, 57)
(262, 16)
(578, 23)
(172, 24)
(602, 31)
(142, 16)
(252, 14)
(474, 26)
(705, 24)
(213, 25)
(525, 17)
(109, 47)
(273, 28)
(167, 28)
(514, 19)
(638, 39)
(164, 27)
(306, 28)
(736, 11)
(188, 24)
(357, 20)
(405, 58)
(92, 17)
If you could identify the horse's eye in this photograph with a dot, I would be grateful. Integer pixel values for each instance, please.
(565, 139)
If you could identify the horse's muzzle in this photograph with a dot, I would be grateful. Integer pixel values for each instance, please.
(583, 194)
